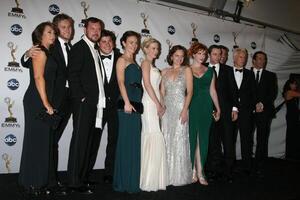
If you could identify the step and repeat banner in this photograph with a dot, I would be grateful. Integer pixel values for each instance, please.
(170, 26)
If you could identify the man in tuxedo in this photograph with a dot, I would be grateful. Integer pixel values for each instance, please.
(109, 55)
(222, 131)
(266, 87)
(86, 79)
(63, 103)
(245, 87)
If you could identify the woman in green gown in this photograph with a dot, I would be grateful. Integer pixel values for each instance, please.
(201, 111)
(128, 150)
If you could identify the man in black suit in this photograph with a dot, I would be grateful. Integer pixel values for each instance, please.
(86, 79)
(245, 87)
(222, 131)
(266, 87)
(63, 103)
(109, 55)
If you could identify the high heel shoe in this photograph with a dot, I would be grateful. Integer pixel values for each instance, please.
(194, 178)
(202, 180)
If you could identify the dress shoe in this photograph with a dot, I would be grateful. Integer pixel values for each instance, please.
(63, 191)
(108, 179)
(84, 190)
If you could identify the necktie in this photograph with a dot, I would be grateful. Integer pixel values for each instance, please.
(214, 69)
(257, 77)
(96, 46)
(239, 70)
(104, 56)
(67, 48)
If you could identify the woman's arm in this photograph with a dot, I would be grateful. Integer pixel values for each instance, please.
(121, 66)
(162, 88)
(189, 94)
(38, 63)
(214, 96)
(146, 67)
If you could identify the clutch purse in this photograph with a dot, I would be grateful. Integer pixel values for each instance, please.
(53, 120)
(137, 105)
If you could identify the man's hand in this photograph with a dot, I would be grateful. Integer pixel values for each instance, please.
(33, 51)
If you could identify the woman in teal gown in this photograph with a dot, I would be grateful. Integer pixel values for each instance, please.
(201, 110)
(128, 151)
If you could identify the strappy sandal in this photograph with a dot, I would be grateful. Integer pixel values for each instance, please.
(194, 178)
(202, 180)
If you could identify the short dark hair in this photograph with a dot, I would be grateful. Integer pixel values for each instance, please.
(94, 20)
(224, 47)
(262, 53)
(214, 46)
(107, 33)
(173, 50)
(128, 34)
(38, 32)
(259, 52)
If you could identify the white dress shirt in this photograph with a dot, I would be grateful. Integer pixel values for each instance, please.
(63, 47)
(108, 65)
(217, 67)
(260, 72)
(238, 76)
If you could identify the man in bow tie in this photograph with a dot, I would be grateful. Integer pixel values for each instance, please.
(245, 87)
(109, 55)
(266, 84)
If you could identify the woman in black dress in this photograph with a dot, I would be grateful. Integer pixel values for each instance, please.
(291, 95)
(39, 95)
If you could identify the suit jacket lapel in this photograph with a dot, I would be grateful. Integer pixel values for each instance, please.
(244, 80)
(60, 52)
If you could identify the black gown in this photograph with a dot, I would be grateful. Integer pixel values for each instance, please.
(292, 148)
(36, 143)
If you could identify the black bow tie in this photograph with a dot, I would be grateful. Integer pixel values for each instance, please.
(104, 56)
(239, 70)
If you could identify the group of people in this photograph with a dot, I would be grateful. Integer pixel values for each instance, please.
(171, 127)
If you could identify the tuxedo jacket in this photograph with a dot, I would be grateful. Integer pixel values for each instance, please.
(266, 91)
(111, 87)
(82, 73)
(246, 94)
(226, 91)
(227, 94)
(61, 73)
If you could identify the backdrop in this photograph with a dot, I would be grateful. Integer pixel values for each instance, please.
(170, 26)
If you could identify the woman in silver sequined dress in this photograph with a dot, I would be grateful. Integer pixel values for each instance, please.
(176, 91)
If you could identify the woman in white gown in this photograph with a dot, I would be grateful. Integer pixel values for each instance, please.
(177, 91)
(153, 175)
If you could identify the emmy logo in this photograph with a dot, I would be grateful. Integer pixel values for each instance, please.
(7, 159)
(13, 50)
(10, 104)
(169, 43)
(145, 31)
(85, 8)
(194, 28)
(17, 9)
(235, 35)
